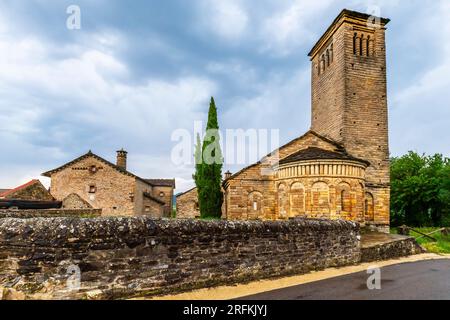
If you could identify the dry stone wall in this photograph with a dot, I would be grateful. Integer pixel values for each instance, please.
(122, 257)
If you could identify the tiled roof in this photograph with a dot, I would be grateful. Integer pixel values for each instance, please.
(313, 153)
(161, 182)
(148, 195)
(3, 191)
(336, 144)
(11, 191)
(187, 191)
(91, 154)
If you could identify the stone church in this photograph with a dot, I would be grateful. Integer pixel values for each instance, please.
(340, 168)
(90, 181)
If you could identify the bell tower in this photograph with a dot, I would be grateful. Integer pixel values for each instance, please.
(349, 99)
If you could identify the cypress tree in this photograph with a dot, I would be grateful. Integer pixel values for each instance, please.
(209, 172)
(198, 162)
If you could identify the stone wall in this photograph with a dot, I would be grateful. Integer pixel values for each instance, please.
(121, 257)
(392, 250)
(50, 213)
(187, 205)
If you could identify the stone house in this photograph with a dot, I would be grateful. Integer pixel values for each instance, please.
(93, 182)
(187, 204)
(340, 168)
(33, 190)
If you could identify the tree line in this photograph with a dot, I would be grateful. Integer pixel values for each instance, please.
(420, 190)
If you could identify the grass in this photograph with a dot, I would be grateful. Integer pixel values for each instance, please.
(442, 245)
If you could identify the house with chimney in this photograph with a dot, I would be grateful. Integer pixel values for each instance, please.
(91, 181)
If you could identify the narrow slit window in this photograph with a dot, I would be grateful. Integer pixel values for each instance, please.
(361, 45)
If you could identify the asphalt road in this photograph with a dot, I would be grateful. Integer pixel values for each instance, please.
(423, 280)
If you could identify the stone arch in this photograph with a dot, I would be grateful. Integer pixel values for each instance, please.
(369, 207)
(282, 201)
(345, 198)
(297, 199)
(320, 199)
(254, 205)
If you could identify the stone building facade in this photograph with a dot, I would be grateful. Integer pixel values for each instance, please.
(340, 168)
(187, 205)
(93, 182)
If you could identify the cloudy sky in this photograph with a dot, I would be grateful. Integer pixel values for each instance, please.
(138, 70)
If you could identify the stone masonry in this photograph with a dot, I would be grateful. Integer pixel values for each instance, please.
(187, 205)
(122, 257)
(340, 168)
(93, 182)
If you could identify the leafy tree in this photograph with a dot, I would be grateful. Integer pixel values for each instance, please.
(208, 173)
(420, 190)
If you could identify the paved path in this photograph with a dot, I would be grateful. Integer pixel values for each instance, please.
(416, 280)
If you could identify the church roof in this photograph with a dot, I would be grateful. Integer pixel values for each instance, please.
(314, 153)
(332, 142)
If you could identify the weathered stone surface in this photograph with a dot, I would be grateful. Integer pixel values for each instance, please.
(392, 250)
(51, 213)
(187, 205)
(127, 256)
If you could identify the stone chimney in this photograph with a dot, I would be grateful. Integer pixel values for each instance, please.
(228, 175)
(122, 159)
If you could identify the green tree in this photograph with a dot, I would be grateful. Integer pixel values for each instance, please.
(198, 161)
(208, 173)
(420, 190)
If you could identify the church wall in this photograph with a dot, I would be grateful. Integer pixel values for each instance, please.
(253, 179)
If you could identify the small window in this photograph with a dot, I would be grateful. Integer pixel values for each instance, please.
(92, 189)
(162, 194)
(255, 205)
(147, 209)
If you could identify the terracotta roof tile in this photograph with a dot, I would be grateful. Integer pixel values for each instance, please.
(11, 191)
(313, 153)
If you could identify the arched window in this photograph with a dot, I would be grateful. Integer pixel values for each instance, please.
(355, 37)
(320, 199)
(368, 46)
(361, 45)
(283, 203)
(255, 205)
(328, 57)
(297, 200)
(369, 207)
(331, 53)
(346, 202)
